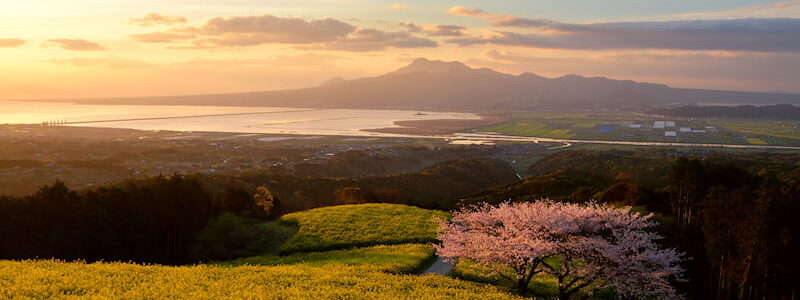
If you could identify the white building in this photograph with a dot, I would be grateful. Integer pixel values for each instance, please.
(670, 133)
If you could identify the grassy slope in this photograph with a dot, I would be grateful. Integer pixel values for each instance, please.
(347, 226)
(374, 272)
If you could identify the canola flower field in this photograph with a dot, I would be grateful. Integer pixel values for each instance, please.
(395, 259)
(384, 268)
(346, 226)
(49, 279)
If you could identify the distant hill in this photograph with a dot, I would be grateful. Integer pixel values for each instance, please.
(437, 85)
(782, 112)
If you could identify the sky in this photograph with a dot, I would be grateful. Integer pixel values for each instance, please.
(122, 48)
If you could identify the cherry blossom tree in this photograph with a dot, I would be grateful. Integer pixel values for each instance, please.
(586, 248)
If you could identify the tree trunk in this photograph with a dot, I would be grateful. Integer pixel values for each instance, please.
(522, 286)
(562, 289)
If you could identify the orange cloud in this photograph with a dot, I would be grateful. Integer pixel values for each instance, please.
(11, 43)
(153, 19)
(74, 44)
(327, 33)
(363, 39)
(469, 12)
(436, 30)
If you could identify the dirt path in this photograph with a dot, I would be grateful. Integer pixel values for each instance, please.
(440, 267)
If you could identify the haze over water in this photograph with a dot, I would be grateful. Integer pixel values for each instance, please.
(216, 118)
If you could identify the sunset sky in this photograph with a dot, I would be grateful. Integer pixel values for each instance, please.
(99, 48)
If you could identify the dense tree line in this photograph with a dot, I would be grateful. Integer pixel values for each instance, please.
(736, 215)
(150, 220)
(181, 219)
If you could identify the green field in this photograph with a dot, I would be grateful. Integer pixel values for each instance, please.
(386, 270)
(616, 127)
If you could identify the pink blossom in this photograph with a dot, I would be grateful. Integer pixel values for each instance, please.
(585, 247)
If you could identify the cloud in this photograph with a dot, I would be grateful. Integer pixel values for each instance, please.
(364, 39)
(153, 19)
(243, 31)
(499, 20)
(327, 33)
(445, 30)
(399, 6)
(271, 29)
(108, 62)
(469, 12)
(162, 37)
(436, 30)
(74, 44)
(758, 35)
(11, 43)
(771, 10)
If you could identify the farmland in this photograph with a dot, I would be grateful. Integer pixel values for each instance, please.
(648, 128)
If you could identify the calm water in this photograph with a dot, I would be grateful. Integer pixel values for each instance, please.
(216, 118)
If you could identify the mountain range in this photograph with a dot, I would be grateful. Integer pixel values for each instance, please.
(438, 85)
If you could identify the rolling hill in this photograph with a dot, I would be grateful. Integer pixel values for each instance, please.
(438, 85)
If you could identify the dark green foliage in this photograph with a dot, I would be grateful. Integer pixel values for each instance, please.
(230, 236)
(436, 187)
(157, 219)
(152, 220)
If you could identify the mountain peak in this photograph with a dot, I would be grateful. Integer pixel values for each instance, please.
(433, 67)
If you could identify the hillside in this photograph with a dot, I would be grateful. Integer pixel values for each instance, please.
(437, 85)
(360, 225)
(376, 272)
